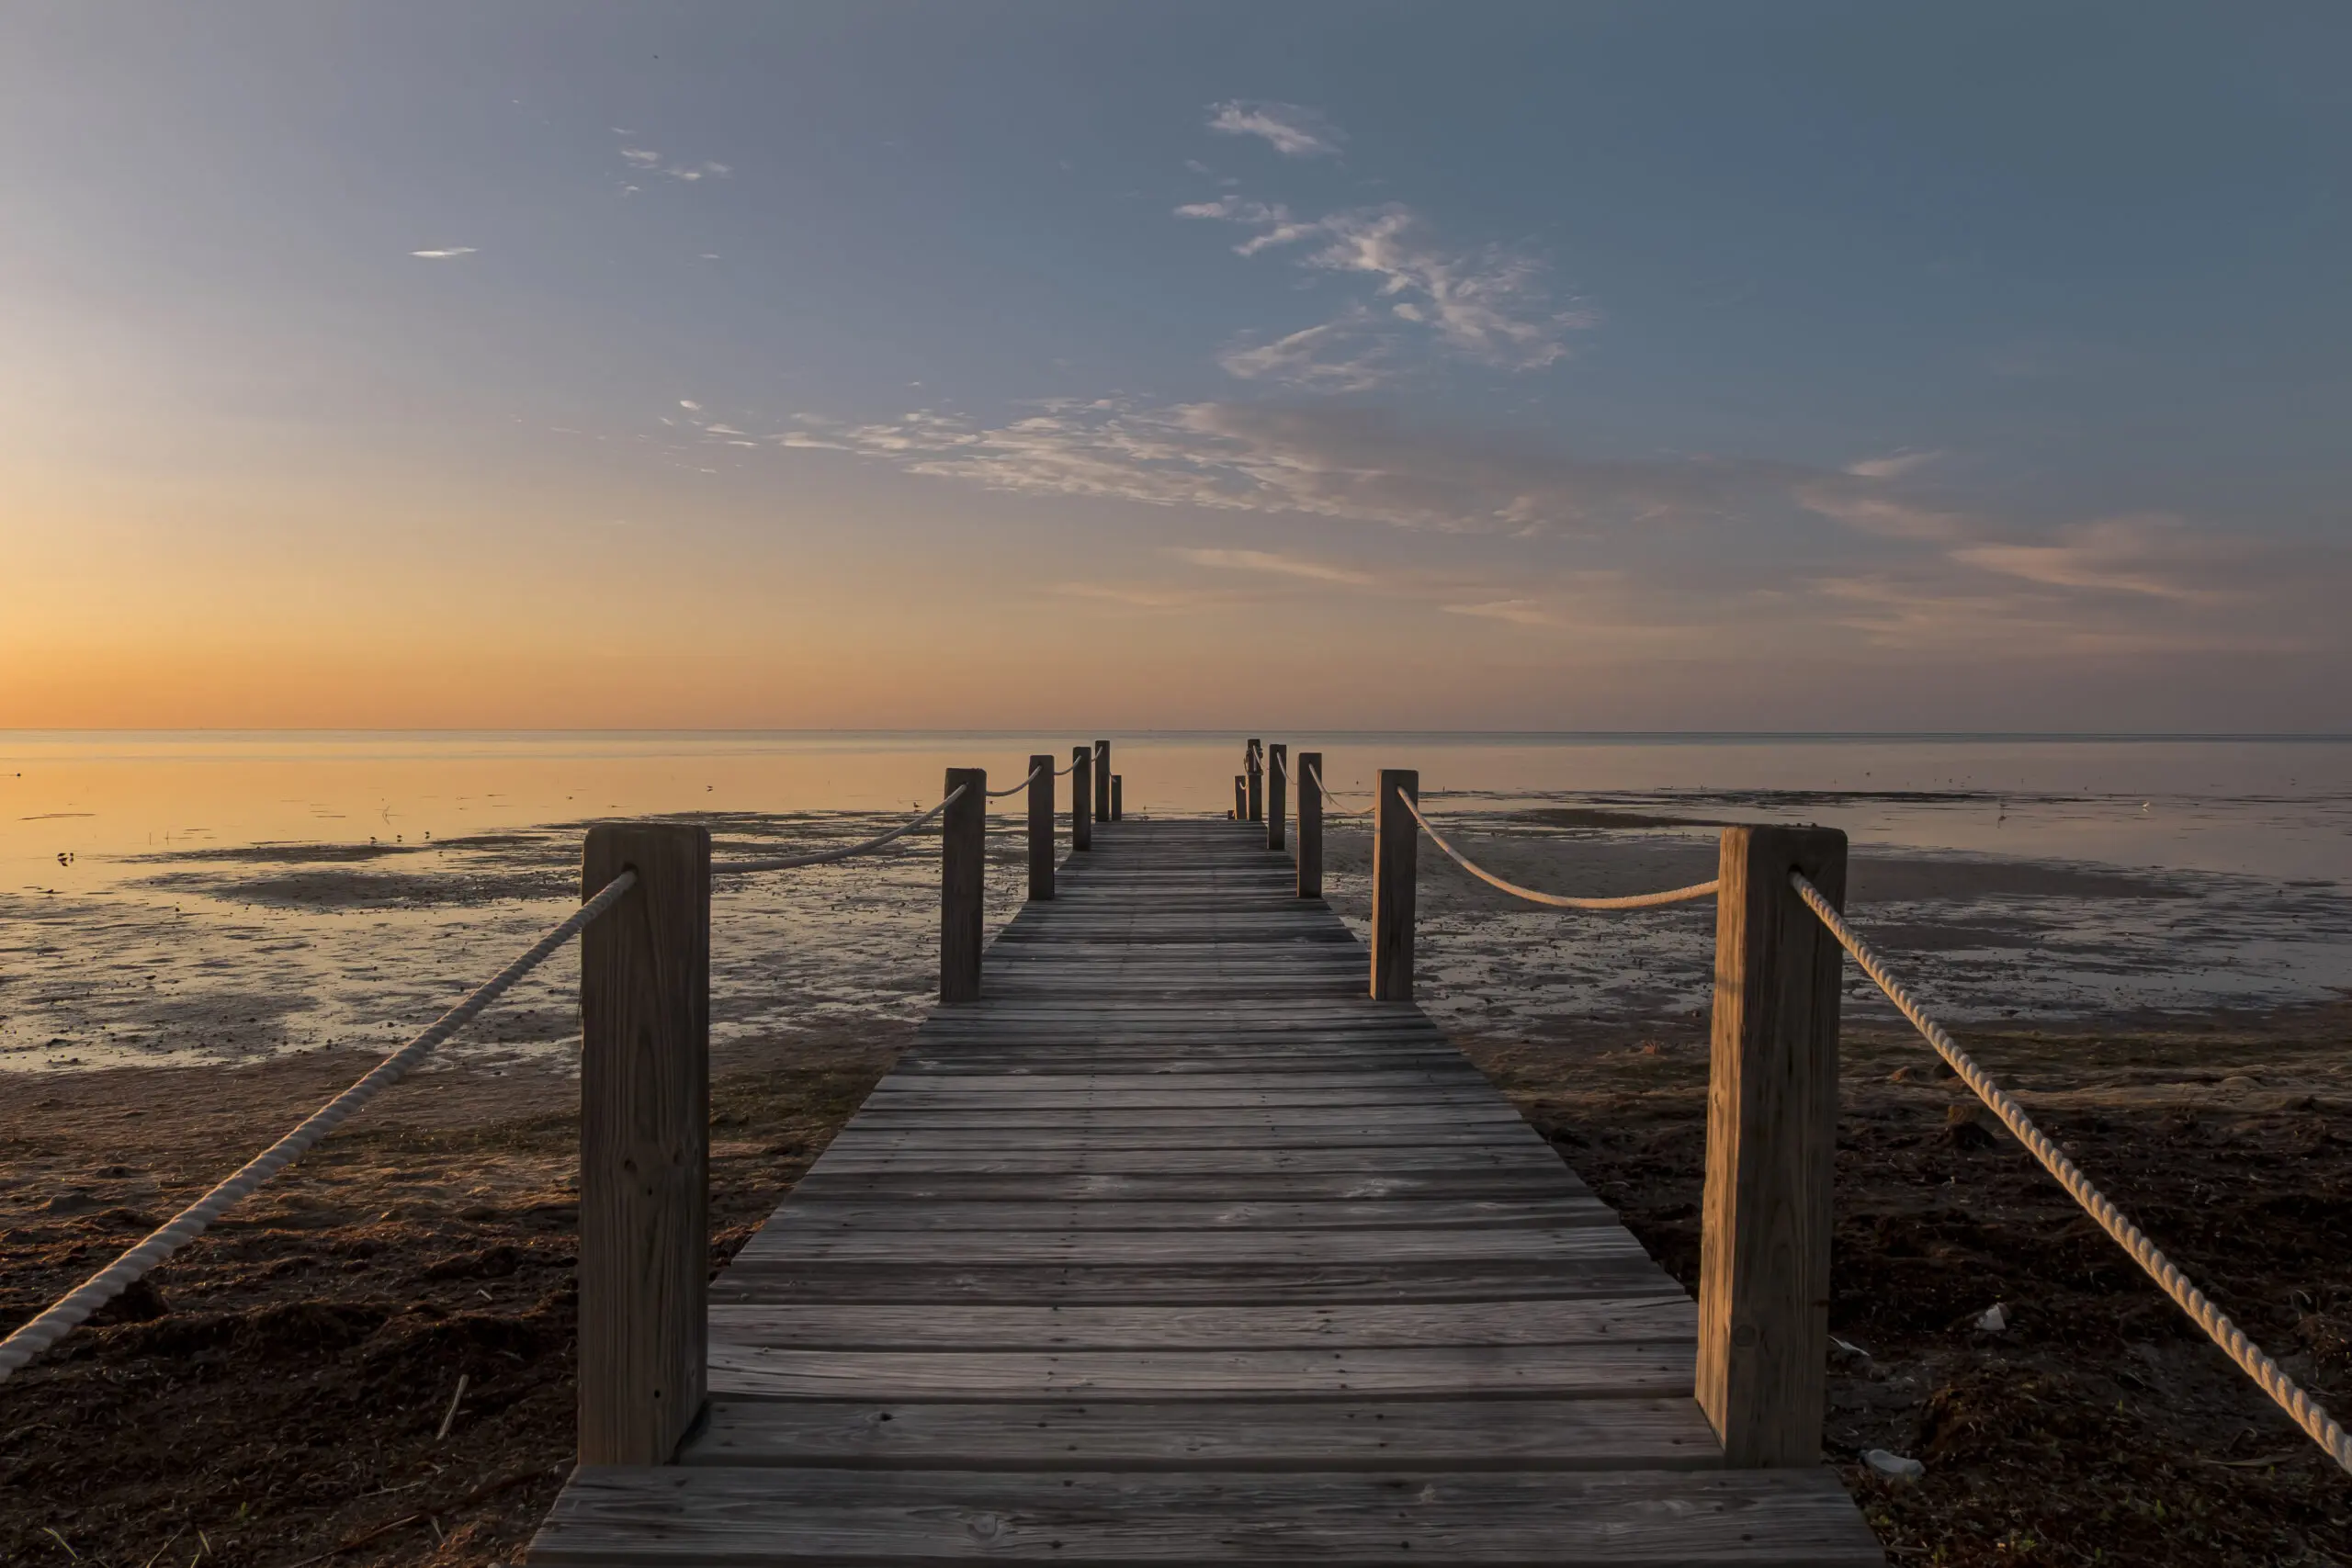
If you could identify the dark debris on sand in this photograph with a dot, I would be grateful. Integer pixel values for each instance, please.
(2098, 1425)
(276, 1394)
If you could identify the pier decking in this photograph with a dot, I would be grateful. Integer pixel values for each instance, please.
(1175, 1247)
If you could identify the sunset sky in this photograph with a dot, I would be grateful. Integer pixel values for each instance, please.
(1651, 366)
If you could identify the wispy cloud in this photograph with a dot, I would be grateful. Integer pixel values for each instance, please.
(1316, 460)
(1894, 466)
(451, 253)
(2152, 556)
(645, 160)
(1292, 129)
(1518, 612)
(1337, 356)
(1490, 304)
(1677, 548)
(1275, 564)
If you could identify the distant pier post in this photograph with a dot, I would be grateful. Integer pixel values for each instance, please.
(1310, 826)
(1254, 770)
(1771, 1145)
(1103, 781)
(1041, 826)
(1395, 838)
(1240, 797)
(644, 1144)
(1277, 792)
(963, 865)
(1118, 807)
(1081, 798)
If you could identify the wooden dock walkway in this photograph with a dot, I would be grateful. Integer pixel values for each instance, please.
(1176, 1248)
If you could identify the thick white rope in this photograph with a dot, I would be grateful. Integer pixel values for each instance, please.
(1016, 789)
(1332, 800)
(102, 1287)
(824, 857)
(1559, 900)
(2307, 1413)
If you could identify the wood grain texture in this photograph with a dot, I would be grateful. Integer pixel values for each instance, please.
(1081, 798)
(1480, 1436)
(1395, 843)
(1609, 1519)
(1771, 1147)
(1176, 1246)
(963, 871)
(1041, 826)
(1277, 794)
(1310, 826)
(1103, 781)
(644, 1142)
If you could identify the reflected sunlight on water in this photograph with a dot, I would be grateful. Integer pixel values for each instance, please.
(216, 896)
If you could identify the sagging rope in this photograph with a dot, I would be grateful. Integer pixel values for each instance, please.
(2307, 1414)
(102, 1287)
(822, 857)
(1325, 791)
(1559, 900)
(1016, 789)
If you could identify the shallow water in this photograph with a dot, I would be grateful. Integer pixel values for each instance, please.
(214, 897)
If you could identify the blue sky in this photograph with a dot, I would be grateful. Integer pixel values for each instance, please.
(1644, 366)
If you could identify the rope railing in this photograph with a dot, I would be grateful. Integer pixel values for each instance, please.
(1558, 900)
(1014, 789)
(1325, 791)
(2307, 1414)
(825, 857)
(75, 1306)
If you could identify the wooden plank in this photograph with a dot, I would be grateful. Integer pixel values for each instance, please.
(738, 1515)
(1584, 1371)
(821, 1214)
(1652, 1319)
(1008, 1284)
(1211, 1435)
(1171, 1247)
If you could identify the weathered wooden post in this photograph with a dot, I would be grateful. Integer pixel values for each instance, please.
(644, 1142)
(1118, 788)
(1103, 781)
(1240, 797)
(1081, 798)
(1277, 792)
(1310, 826)
(1254, 769)
(963, 868)
(1395, 838)
(1041, 826)
(1771, 1145)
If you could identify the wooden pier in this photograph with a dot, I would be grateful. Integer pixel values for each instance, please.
(1176, 1246)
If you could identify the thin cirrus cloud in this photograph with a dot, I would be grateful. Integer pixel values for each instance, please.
(449, 254)
(1906, 568)
(1292, 129)
(646, 161)
(1275, 564)
(1517, 612)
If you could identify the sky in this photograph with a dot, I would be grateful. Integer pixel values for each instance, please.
(1642, 366)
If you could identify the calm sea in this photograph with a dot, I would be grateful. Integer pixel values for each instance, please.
(215, 896)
